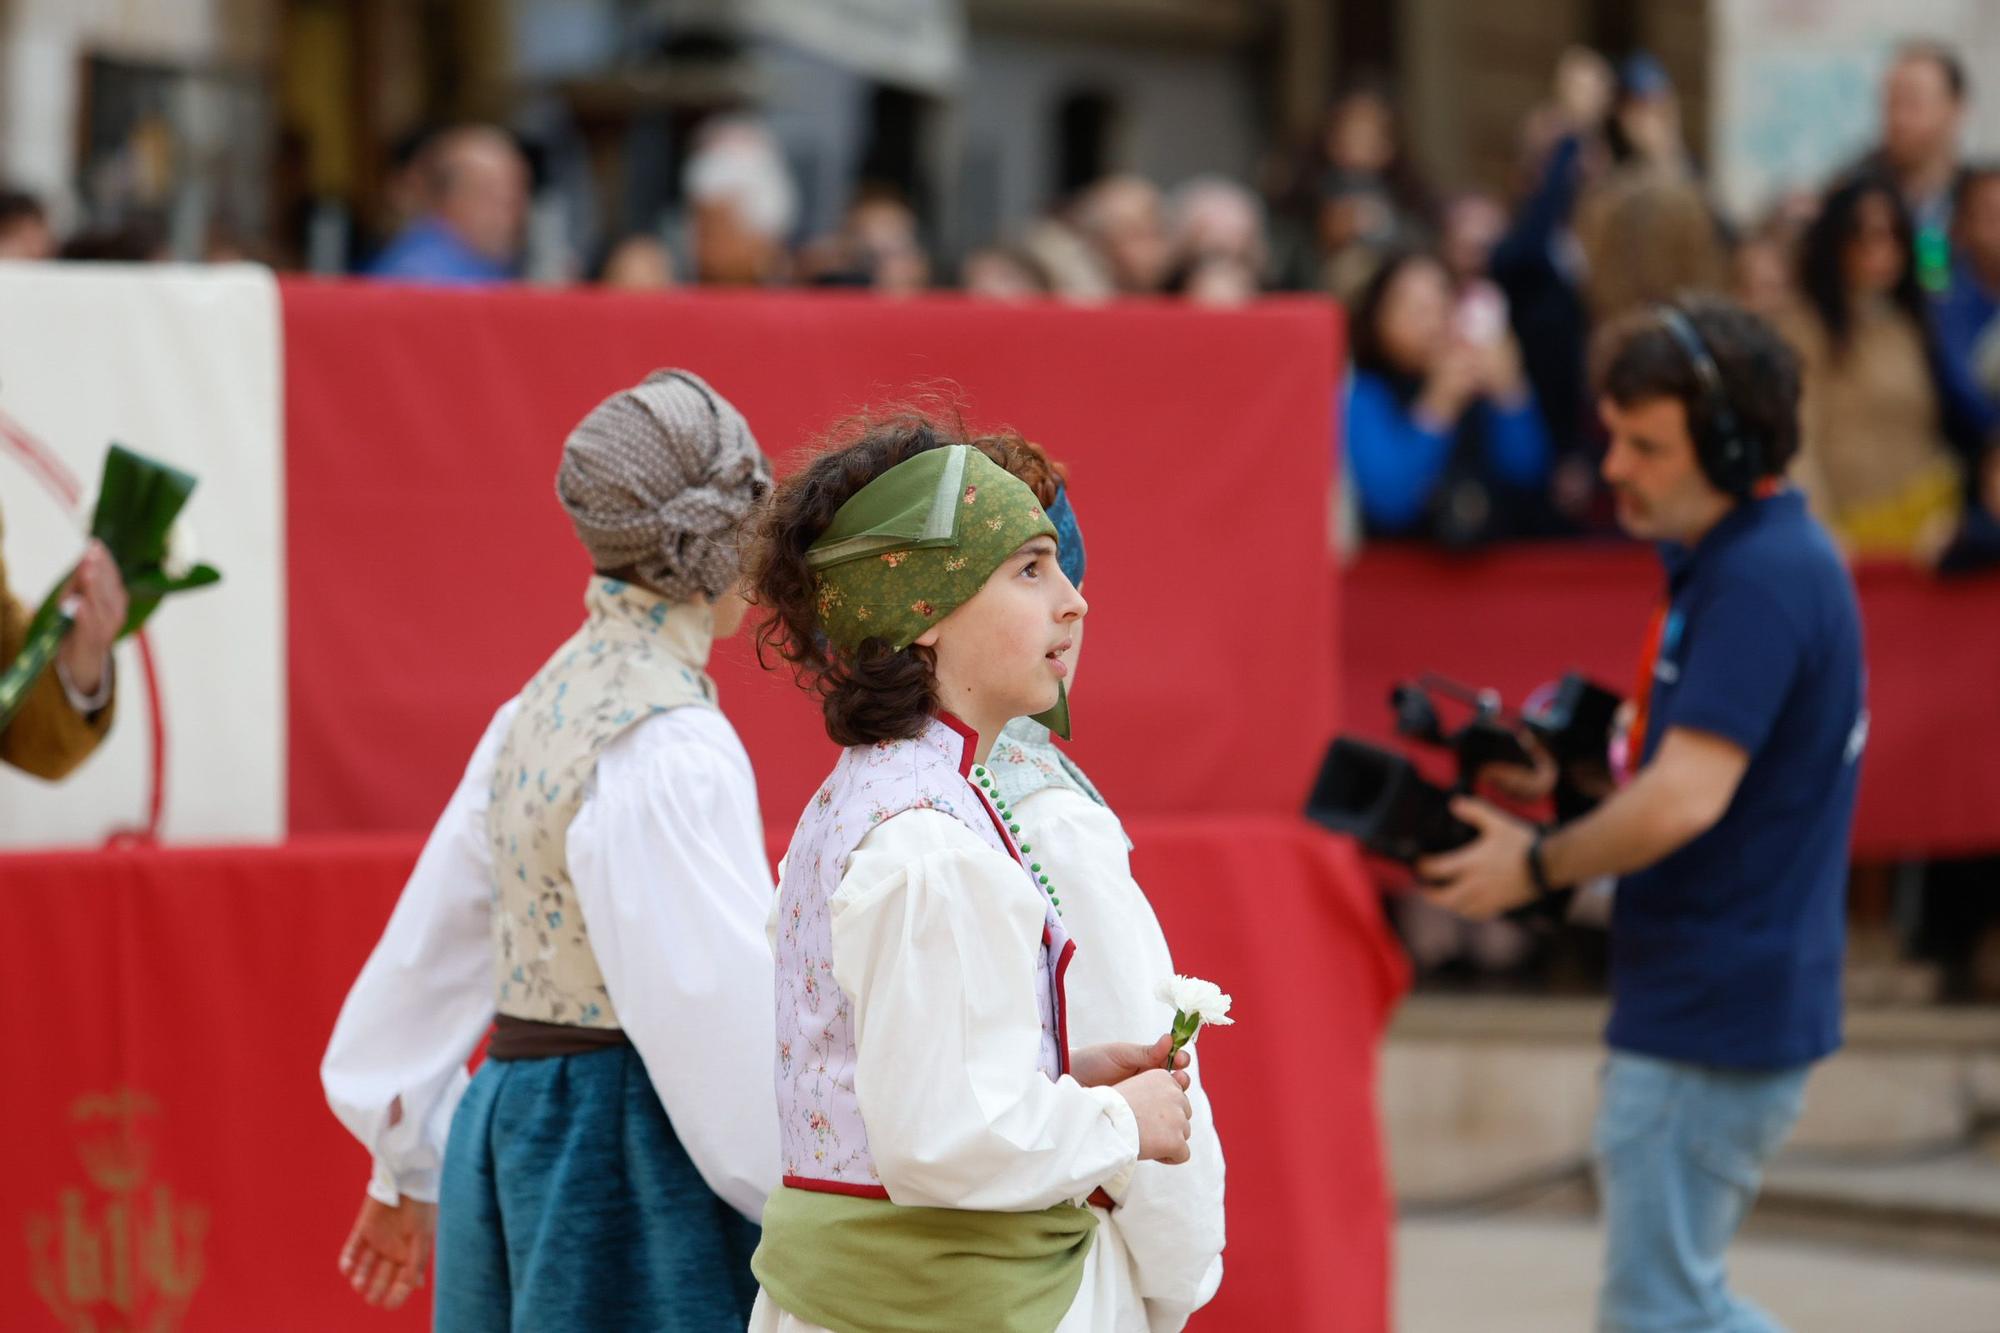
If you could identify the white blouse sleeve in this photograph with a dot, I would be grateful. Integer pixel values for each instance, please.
(667, 856)
(1170, 1217)
(935, 937)
(394, 1069)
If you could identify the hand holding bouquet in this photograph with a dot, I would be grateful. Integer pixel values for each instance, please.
(138, 501)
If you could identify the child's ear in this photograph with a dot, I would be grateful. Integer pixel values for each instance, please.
(928, 639)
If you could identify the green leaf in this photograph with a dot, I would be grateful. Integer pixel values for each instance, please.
(138, 499)
(156, 582)
(37, 651)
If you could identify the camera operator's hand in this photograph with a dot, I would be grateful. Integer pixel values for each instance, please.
(1486, 877)
(1522, 784)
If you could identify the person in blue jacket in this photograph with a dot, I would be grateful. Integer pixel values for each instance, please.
(1444, 439)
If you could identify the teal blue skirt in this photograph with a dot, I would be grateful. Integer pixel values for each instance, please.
(568, 1203)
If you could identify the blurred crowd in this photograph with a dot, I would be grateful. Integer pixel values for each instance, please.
(1467, 415)
(459, 201)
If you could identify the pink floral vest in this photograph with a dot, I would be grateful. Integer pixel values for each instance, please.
(824, 1140)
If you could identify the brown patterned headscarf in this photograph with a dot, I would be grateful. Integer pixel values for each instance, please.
(658, 478)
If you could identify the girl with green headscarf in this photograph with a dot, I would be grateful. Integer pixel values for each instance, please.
(938, 1137)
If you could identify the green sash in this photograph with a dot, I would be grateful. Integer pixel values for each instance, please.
(870, 1266)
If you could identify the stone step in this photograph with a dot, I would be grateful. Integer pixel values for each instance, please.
(1943, 1205)
(1488, 1102)
(1537, 1274)
(1533, 1019)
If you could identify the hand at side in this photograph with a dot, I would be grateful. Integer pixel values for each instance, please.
(388, 1253)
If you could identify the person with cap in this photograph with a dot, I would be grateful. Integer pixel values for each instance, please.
(1158, 1253)
(595, 891)
(939, 1138)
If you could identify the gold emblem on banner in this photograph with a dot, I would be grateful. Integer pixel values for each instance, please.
(120, 1253)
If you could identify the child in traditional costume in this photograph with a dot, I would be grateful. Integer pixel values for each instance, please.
(938, 1137)
(1158, 1253)
(598, 882)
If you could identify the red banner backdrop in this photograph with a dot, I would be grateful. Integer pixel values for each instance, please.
(170, 1160)
(431, 569)
(1514, 618)
(170, 1163)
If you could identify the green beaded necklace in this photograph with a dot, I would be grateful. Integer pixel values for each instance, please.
(1034, 868)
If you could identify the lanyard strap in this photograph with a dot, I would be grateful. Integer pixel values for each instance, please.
(1642, 688)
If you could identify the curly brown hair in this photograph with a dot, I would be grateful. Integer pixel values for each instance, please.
(1635, 358)
(878, 693)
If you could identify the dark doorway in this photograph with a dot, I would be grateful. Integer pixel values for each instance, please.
(1084, 123)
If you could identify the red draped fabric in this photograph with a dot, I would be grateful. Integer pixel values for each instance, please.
(1516, 617)
(168, 1149)
(431, 569)
(169, 1158)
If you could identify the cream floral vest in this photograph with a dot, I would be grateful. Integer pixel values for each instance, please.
(636, 655)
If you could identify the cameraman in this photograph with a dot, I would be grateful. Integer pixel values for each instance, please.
(1731, 837)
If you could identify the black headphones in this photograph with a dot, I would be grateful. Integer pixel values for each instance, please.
(1731, 459)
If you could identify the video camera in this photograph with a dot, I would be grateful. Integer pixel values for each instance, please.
(1378, 797)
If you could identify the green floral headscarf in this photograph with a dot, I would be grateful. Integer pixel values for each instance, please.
(917, 543)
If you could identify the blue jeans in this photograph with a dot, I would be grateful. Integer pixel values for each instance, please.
(1680, 1152)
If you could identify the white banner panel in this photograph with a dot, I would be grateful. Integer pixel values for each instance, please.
(1797, 86)
(183, 364)
(918, 43)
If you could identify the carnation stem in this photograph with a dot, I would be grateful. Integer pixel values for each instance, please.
(1185, 1026)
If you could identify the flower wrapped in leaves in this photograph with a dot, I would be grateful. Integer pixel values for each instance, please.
(139, 501)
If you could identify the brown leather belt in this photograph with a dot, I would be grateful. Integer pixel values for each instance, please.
(526, 1039)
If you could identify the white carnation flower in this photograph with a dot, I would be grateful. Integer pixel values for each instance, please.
(181, 556)
(1197, 999)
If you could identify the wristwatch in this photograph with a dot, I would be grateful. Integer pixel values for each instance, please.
(1538, 873)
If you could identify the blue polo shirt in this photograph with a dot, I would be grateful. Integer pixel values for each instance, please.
(429, 251)
(1728, 952)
